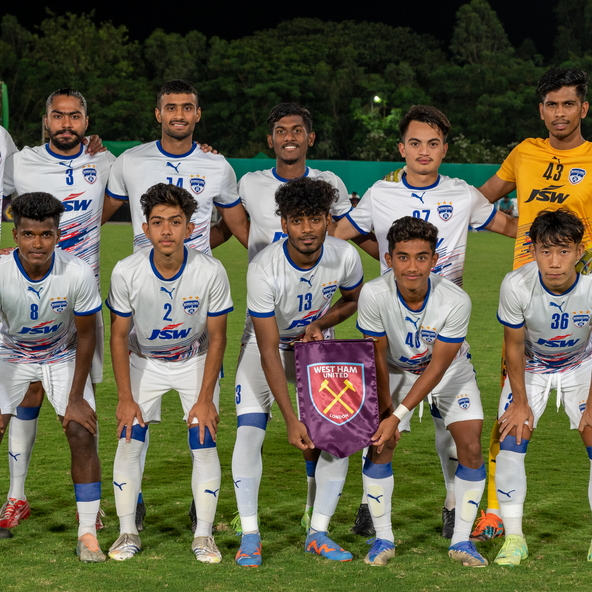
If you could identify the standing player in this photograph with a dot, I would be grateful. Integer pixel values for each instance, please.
(7, 148)
(546, 174)
(48, 301)
(451, 205)
(545, 309)
(78, 179)
(290, 285)
(419, 321)
(179, 299)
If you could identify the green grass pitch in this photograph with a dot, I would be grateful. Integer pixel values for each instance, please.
(557, 524)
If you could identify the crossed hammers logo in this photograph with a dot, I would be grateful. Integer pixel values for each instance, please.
(337, 398)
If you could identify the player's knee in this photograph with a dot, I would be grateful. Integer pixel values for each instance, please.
(80, 439)
(471, 455)
(254, 420)
(139, 433)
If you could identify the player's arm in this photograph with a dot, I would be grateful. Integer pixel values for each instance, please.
(344, 308)
(235, 219)
(518, 411)
(268, 340)
(503, 224)
(495, 188)
(78, 409)
(204, 410)
(219, 233)
(127, 408)
(443, 354)
(344, 229)
(110, 206)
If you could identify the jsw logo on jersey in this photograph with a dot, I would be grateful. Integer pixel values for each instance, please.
(420, 359)
(76, 205)
(311, 317)
(549, 193)
(41, 329)
(170, 332)
(559, 341)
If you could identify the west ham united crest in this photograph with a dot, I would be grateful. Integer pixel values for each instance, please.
(445, 211)
(464, 402)
(190, 306)
(59, 305)
(89, 172)
(337, 390)
(197, 184)
(581, 319)
(428, 335)
(576, 176)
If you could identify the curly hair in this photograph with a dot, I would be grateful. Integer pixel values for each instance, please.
(176, 87)
(284, 109)
(557, 78)
(162, 194)
(409, 228)
(425, 114)
(556, 227)
(37, 206)
(305, 197)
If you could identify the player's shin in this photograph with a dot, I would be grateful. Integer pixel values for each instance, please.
(469, 485)
(143, 461)
(589, 451)
(88, 501)
(378, 485)
(21, 439)
(127, 478)
(247, 467)
(446, 449)
(311, 467)
(494, 448)
(330, 475)
(511, 483)
(205, 480)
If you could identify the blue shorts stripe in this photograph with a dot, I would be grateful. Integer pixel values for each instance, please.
(467, 474)
(509, 443)
(87, 492)
(435, 411)
(27, 413)
(194, 442)
(255, 420)
(377, 471)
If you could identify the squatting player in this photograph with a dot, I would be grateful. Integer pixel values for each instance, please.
(419, 321)
(48, 302)
(545, 307)
(451, 205)
(179, 299)
(546, 174)
(290, 285)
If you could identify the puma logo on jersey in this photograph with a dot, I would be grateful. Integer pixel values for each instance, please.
(309, 282)
(413, 322)
(38, 292)
(557, 306)
(170, 293)
(174, 167)
(420, 197)
(212, 492)
(68, 165)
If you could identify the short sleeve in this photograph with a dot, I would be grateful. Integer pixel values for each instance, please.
(88, 298)
(342, 206)
(456, 324)
(507, 171)
(9, 181)
(118, 300)
(509, 312)
(220, 302)
(369, 319)
(228, 195)
(482, 210)
(361, 216)
(116, 188)
(260, 295)
(241, 192)
(354, 272)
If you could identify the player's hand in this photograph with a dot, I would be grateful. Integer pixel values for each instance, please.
(298, 436)
(313, 333)
(82, 413)
(126, 412)
(95, 145)
(7, 250)
(387, 429)
(205, 148)
(515, 416)
(586, 420)
(206, 416)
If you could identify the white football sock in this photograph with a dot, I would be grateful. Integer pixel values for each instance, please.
(446, 449)
(469, 485)
(143, 461)
(330, 475)
(311, 466)
(22, 432)
(379, 484)
(88, 501)
(364, 456)
(589, 450)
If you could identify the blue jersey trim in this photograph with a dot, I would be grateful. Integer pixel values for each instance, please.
(169, 155)
(115, 196)
(420, 188)
(491, 217)
(88, 312)
(285, 247)
(424, 302)
(510, 324)
(261, 315)
(60, 156)
(337, 218)
(351, 287)
(354, 224)
(117, 312)
(274, 173)
(371, 333)
(563, 293)
(231, 205)
(450, 339)
(22, 269)
(222, 312)
(177, 275)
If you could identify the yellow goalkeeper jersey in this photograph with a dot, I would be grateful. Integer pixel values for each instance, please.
(546, 178)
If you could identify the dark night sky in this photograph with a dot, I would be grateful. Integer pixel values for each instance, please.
(232, 20)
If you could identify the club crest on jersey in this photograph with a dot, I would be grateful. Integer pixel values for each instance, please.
(463, 402)
(197, 184)
(445, 211)
(89, 172)
(580, 319)
(329, 289)
(582, 406)
(428, 335)
(59, 305)
(190, 306)
(337, 390)
(576, 176)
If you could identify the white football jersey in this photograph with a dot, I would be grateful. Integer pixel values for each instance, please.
(556, 327)
(411, 334)
(449, 204)
(7, 147)
(170, 316)
(78, 181)
(208, 177)
(257, 193)
(296, 296)
(38, 315)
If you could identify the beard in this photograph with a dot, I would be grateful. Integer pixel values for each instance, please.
(65, 143)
